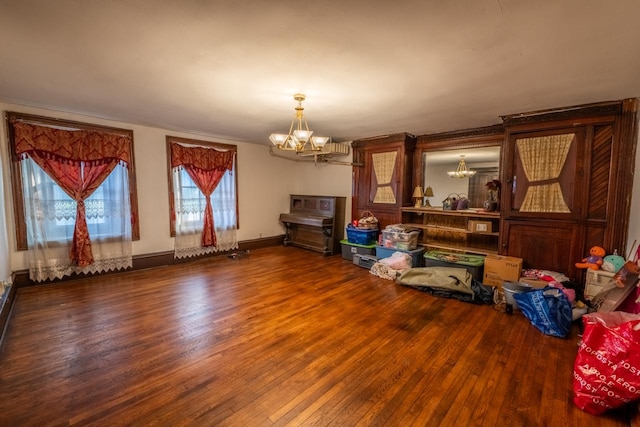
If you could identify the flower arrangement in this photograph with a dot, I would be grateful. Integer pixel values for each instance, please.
(493, 188)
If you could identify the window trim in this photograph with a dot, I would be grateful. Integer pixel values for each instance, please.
(196, 142)
(16, 172)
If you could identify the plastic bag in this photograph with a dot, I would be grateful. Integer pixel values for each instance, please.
(606, 372)
(548, 310)
(398, 260)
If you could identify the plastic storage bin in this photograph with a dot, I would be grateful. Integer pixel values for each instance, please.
(473, 263)
(400, 240)
(361, 236)
(416, 254)
(349, 249)
(365, 261)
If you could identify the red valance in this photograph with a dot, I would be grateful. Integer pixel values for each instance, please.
(207, 159)
(71, 145)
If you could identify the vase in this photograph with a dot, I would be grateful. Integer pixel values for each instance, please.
(490, 206)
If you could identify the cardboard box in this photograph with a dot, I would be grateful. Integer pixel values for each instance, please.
(476, 226)
(499, 268)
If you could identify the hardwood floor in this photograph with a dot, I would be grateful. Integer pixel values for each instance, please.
(281, 337)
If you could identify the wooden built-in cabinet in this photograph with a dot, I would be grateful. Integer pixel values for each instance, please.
(382, 183)
(461, 231)
(566, 174)
(568, 177)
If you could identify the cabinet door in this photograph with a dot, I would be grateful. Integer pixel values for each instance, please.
(548, 245)
(380, 187)
(545, 175)
(382, 183)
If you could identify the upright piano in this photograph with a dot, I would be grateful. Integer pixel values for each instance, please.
(315, 223)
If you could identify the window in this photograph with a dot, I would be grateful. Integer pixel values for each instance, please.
(74, 195)
(199, 223)
(48, 202)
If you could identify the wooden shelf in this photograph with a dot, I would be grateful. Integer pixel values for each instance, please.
(450, 231)
(465, 213)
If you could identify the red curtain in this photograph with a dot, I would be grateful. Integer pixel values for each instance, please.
(78, 161)
(206, 167)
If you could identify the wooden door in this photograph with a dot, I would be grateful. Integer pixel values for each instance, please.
(382, 181)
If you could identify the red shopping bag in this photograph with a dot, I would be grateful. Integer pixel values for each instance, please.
(606, 372)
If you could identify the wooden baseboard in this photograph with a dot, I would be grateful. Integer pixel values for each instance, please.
(158, 259)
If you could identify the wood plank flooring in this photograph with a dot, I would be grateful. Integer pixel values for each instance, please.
(283, 337)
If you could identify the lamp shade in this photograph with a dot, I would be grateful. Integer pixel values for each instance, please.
(428, 192)
(417, 192)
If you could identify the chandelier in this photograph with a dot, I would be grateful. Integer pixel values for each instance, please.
(461, 171)
(299, 138)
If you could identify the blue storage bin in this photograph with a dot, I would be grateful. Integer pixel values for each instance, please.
(361, 236)
(416, 254)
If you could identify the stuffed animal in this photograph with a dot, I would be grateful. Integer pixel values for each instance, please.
(612, 263)
(594, 260)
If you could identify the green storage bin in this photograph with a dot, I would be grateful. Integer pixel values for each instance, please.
(473, 263)
(348, 249)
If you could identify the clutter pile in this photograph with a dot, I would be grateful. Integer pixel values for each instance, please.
(608, 361)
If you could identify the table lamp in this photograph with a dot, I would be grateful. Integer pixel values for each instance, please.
(418, 195)
(428, 192)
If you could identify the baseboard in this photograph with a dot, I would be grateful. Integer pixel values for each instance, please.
(143, 261)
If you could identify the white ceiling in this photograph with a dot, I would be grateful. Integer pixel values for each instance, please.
(229, 68)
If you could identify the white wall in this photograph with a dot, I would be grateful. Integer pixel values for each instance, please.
(324, 179)
(264, 184)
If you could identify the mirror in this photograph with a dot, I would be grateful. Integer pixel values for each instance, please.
(485, 161)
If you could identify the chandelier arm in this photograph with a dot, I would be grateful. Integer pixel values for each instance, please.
(299, 138)
(291, 127)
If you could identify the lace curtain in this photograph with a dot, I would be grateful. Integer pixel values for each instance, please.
(204, 200)
(51, 220)
(76, 199)
(383, 165)
(542, 159)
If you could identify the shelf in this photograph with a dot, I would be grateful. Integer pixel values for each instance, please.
(465, 213)
(457, 248)
(452, 229)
